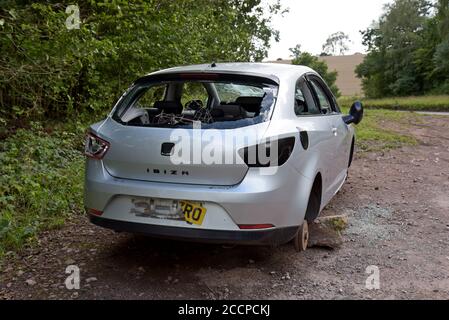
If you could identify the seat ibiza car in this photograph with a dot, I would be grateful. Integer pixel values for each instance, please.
(241, 153)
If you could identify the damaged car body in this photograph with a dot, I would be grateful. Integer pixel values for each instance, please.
(243, 153)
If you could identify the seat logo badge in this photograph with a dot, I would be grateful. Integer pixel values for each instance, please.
(167, 149)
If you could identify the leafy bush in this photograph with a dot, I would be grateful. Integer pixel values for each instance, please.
(41, 173)
(49, 70)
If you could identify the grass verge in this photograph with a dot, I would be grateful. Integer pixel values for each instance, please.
(384, 129)
(41, 181)
(423, 103)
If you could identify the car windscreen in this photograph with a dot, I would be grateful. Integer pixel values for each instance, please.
(185, 103)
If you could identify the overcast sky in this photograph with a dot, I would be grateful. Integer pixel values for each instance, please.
(310, 22)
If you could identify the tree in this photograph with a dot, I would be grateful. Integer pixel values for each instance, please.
(308, 60)
(441, 55)
(48, 70)
(408, 53)
(336, 44)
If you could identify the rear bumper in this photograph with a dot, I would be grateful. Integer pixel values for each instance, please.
(272, 237)
(280, 199)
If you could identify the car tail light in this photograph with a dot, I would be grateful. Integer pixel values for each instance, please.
(255, 226)
(268, 154)
(95, 147)
(94, 212)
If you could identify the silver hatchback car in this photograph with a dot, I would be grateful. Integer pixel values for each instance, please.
(241, 153)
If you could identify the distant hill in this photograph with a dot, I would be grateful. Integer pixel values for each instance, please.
(347, 81)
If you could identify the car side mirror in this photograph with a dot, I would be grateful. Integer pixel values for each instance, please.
(355, 115)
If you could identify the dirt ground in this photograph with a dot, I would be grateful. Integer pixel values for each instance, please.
(398, 208)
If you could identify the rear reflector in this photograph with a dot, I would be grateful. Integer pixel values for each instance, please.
(94, 212)
(255, 226)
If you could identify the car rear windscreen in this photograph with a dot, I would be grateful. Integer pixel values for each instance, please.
(188, 101)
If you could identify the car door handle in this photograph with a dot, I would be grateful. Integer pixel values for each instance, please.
(334, 131)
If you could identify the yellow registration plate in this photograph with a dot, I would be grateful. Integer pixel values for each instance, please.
(194, 212)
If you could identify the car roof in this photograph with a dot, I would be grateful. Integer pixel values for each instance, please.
(280, 71)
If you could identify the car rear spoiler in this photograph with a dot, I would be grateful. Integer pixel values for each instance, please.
(211, 75)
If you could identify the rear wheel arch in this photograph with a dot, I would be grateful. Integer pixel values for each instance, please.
(314, 204)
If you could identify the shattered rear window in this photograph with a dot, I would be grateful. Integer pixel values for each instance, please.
(229, 92)
(189, 103)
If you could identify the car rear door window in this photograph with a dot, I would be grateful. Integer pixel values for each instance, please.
(323, 99)
(304, 104)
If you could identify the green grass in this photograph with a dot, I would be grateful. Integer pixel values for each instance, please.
(41, 181)
(422, 103)
(376, 131)
(383, 127)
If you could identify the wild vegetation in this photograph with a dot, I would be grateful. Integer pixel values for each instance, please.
(408, 50)
(41, 180)
(51, 71)
(419, 103)
(336, 44)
